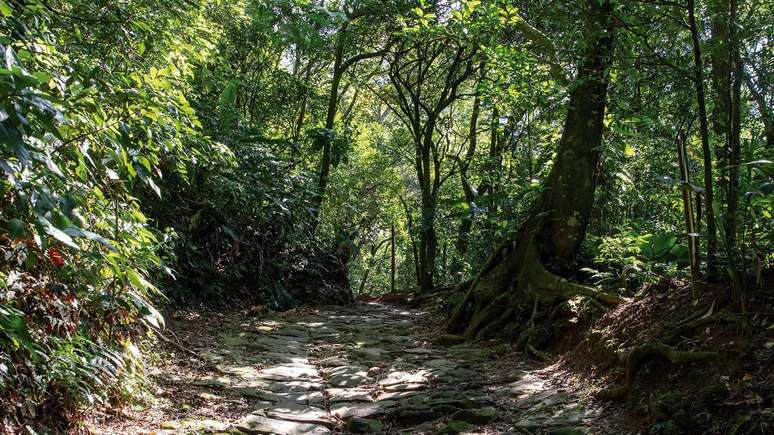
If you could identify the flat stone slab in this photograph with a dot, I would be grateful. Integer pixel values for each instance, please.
(397, 378)
(301, 414)
(396, 395)
(258, 424)
(405, 387)
(256, 387)
(348, 395)
(297, 331)
(373, 369)
(347, 376)
(304, 397)
(289, 372)
(371, 353)
(347, 410)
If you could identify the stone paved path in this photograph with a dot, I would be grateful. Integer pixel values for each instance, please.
(371, 369)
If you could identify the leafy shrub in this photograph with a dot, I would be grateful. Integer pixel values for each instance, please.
(83, 129)
(628, 259)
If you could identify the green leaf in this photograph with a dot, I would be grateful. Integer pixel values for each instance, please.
(136, 280)
(5, 9)
(56, 233)
(74, 231)
(16, 228)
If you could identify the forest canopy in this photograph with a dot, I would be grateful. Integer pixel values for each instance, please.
(506, 155)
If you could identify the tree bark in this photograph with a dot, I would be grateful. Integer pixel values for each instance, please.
(767, 117)
(466, 224)
(392, 258)
(514, 279)
(734, 157)
(698, 81)
(727, 82)
(330, 118)
(690, 220)
(340, 66)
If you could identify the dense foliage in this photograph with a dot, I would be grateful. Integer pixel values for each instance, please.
(275, 150)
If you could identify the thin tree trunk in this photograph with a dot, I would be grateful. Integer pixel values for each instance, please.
(392, 258)
(428, 244)
(463, 234)
(494, 157)
(690, 221)
(767, 118)
(734, 159)
(330, 118)
(304, 101)
(698, 81)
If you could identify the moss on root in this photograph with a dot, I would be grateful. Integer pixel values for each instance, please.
(513, 282)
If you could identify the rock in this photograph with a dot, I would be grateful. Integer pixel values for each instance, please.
(259, 387)
(259, 424)
(333, 361)
(363, 425)
(297, 331)
(282, 372)
(348, 410)
(456, 426)
(349, 380)
(416, 413)
(210, 382)
(462, 374)
(394, 395)
(476, 415)
(241, 371)
(527, 385)
(371, 353)
(300, 413)
(348, 395)
(397, 378)
(236, 340)
(456, 399)
(302, 398)
(405, 387)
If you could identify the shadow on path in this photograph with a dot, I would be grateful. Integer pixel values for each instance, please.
(367, 369)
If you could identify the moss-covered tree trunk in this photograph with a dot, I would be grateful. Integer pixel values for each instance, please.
(513, 280)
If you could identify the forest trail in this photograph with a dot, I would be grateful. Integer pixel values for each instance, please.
(367, 368)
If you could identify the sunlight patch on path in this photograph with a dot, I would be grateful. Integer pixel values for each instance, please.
(373, 368)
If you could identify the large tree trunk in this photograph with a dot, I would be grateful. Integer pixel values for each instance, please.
(514, 280)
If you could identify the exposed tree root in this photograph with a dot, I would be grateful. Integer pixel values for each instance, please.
(547, 286)
(538, 354)
(722, 317)
(512, 278)
(639, 355)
